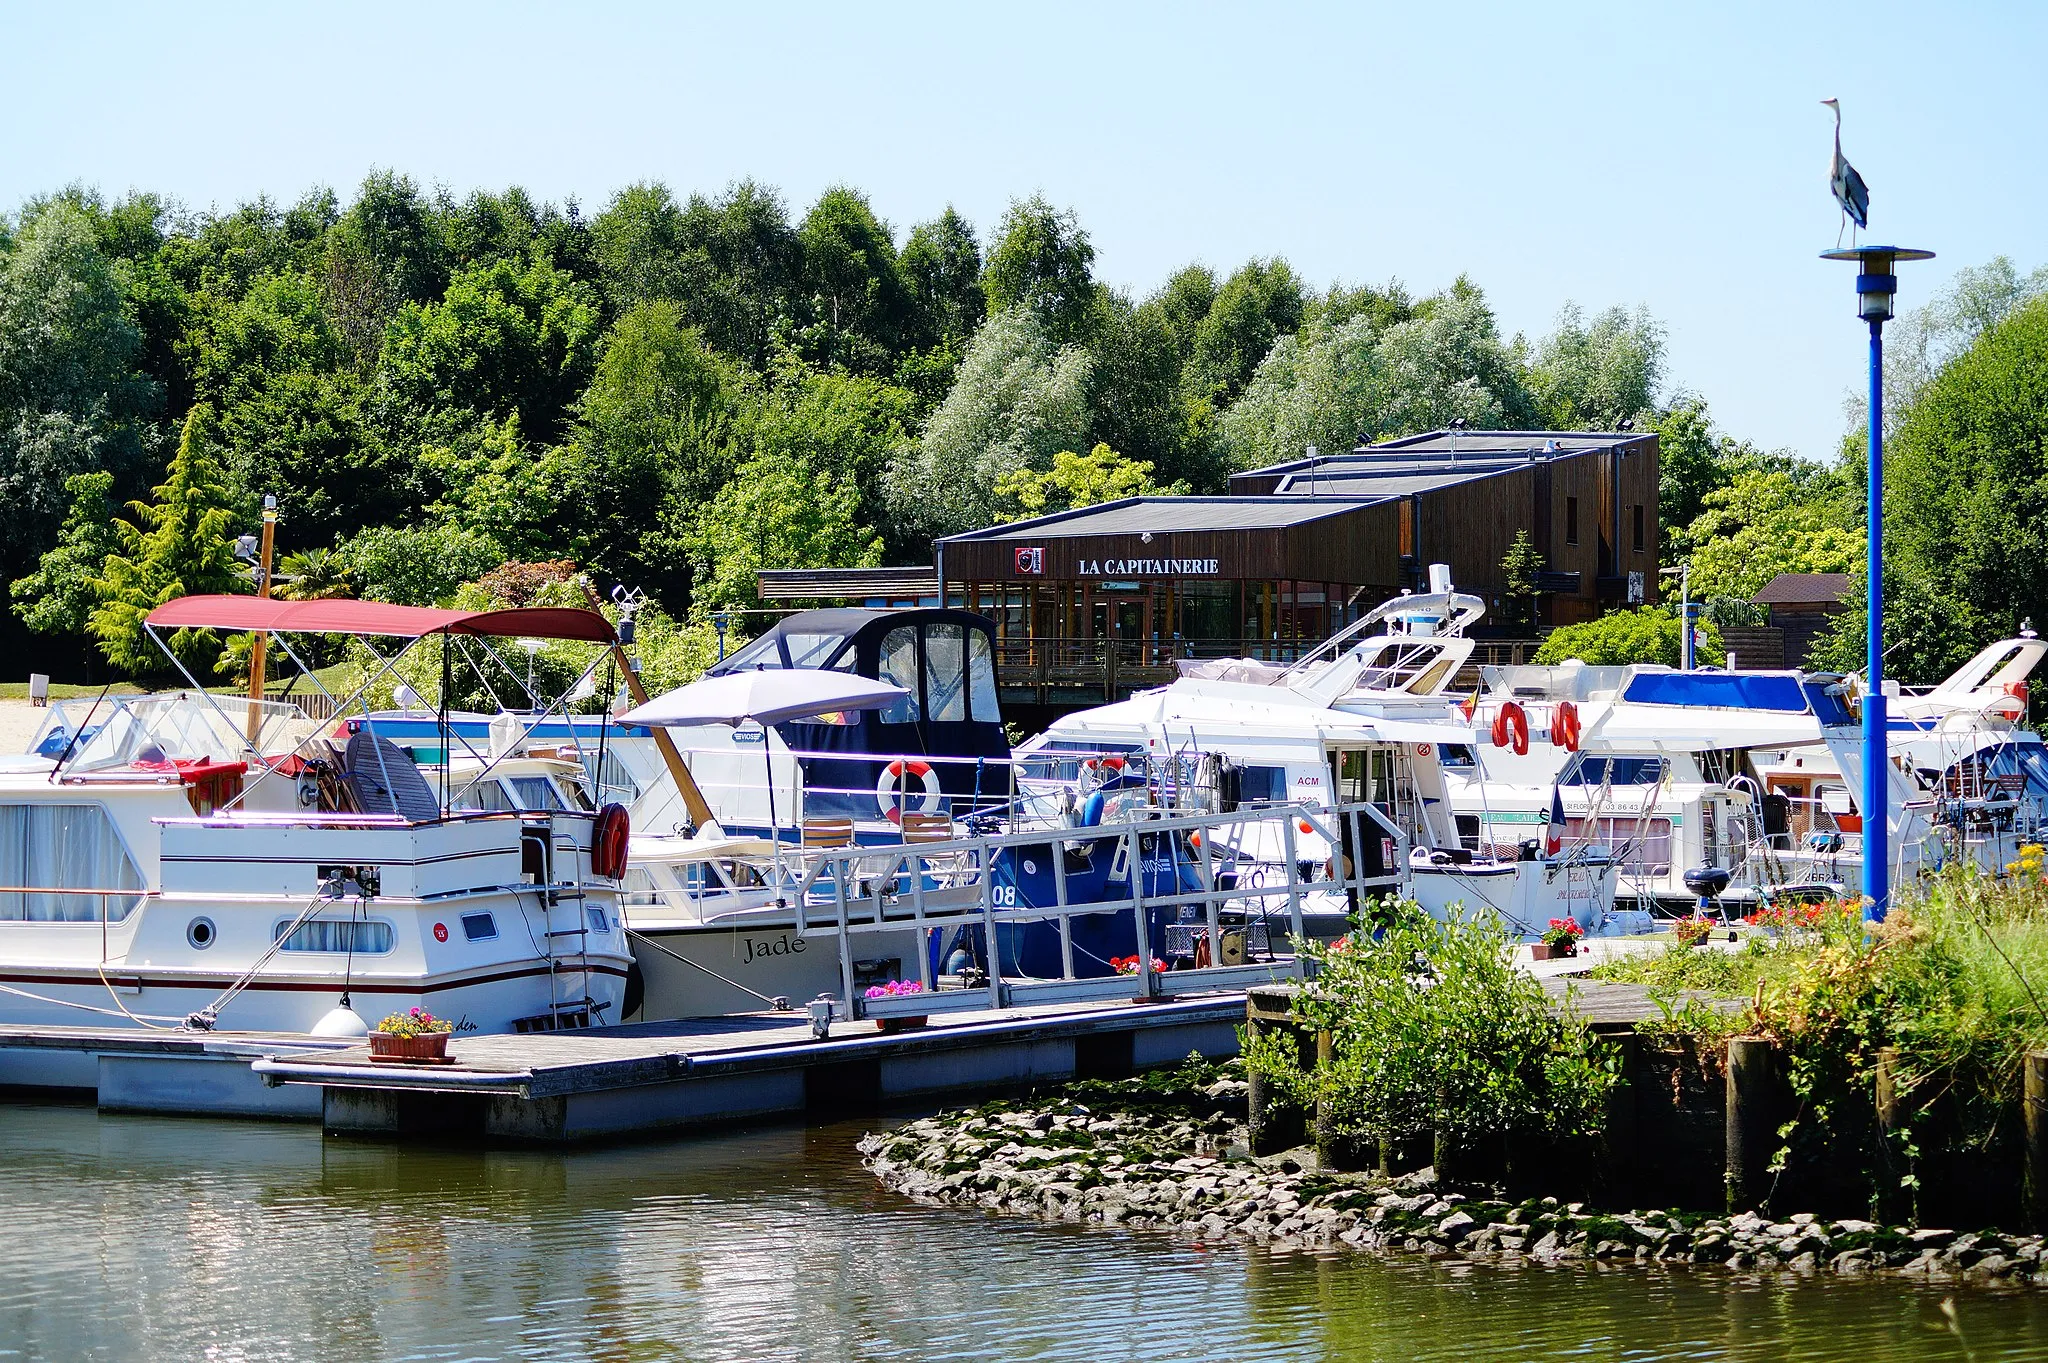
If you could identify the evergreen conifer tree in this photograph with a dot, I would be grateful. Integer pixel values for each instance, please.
(177, 545)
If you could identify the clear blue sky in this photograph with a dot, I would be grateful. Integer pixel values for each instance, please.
(1629, 153)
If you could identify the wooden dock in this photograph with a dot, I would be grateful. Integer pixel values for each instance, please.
(614, 1081)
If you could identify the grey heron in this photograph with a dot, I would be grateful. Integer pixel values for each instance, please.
(1850, 191)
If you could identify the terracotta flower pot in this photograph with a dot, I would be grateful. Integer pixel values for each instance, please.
(428, 1048)
(905, 1024)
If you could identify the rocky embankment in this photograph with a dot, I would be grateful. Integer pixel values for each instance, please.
(1145, 1154)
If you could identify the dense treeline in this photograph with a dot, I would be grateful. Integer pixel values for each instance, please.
(668, 394)
(675, 392)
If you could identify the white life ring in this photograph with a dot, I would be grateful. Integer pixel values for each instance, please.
(892, 777)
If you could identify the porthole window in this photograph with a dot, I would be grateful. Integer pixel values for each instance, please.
(200, 932)
(479, 927)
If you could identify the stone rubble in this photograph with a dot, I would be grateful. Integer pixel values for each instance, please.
(1186, 1172)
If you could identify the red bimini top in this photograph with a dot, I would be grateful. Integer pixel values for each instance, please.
(377, 617)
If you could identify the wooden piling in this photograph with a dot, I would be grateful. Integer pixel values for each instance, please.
(1752, 1121)
(2036, 1113)
(1894, 1203)
(1271, 1126)
(1327, 1157)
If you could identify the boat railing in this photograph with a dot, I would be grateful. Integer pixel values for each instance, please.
(846, 892)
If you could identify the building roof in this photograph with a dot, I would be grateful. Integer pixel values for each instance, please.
(1169, 515)
(1803, 589)
(1435, 457)
(845, 584)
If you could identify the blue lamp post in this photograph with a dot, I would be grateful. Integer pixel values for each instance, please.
(1875, 287)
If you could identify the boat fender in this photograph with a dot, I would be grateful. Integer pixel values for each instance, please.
(635, 993)
(1511, 727)
(896, 775)
(1091, 810)
(1564, 726)
(608, 844)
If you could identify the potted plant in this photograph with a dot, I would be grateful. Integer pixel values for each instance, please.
(414, 1037)
(1559, 940)
(1693, 931)
(897, 989)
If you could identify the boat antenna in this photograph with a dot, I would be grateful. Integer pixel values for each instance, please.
(83, 725)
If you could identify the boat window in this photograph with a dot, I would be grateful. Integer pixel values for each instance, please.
(47, 850)
(981, 679)
(899, 665)
(1262, 783)
(486, 796)
(1456, 756)
(535, 793)
(1623, 771)
(1062, 759)
(764, 652)
(1362, 775)
(945, 676)
(812, 650)
(334, 934)
(479, 927)
(1641, 846)
(614, 779)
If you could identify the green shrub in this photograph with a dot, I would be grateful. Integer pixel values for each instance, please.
(1436, 1032)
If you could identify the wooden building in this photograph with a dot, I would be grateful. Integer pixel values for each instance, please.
(1091, 603)
(1803, 606)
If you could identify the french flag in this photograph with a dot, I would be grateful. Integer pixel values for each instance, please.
(1553, 832)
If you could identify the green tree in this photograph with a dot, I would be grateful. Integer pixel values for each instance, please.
(418, 566)
(846, 425)
(1019, 401)
(1077, 480)
(1589, 377)
(1649, 635)
(775, 513)
(1136, 395)
(1768, 522)
(503, 340)
(1043, 261)
(1255, 307)
(57, 598)
(1344, 379)
(1519, 570)
(71, 398)
(941, 267)
(860, 311)
(652, 443)
(180, 544)
(1968, 467)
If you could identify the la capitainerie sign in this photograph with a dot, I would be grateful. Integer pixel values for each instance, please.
(1031, 563)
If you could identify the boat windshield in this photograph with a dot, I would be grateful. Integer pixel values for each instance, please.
(1620, 771)
(121, 731)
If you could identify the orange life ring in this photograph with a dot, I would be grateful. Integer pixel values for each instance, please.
(1511, 726)
(892, 788)
(1564, 726)
(2014, 705)
(609, 842)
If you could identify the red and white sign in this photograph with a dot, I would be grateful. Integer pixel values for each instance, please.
(1031, 562)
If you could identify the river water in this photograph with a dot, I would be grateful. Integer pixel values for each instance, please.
(147, 1238)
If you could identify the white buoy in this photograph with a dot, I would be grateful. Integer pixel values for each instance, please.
(343, 1021)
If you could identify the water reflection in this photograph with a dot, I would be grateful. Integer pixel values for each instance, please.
(134, 1237)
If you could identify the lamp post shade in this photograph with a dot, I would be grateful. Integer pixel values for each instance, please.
(770, 696)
